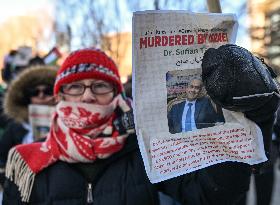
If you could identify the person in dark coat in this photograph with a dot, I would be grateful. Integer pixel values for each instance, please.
(202, 112)
(86, 159)
(23, 91)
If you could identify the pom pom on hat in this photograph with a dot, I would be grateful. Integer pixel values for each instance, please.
(85, 64)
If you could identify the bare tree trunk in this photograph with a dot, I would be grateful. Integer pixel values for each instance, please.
(156, 4)
(214, 6)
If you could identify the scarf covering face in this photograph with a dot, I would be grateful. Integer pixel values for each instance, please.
(74, 137)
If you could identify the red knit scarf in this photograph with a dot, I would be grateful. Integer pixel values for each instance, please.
(72, 138)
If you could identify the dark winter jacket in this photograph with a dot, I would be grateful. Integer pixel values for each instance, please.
(121, 180)
(13, 135)
(276, 129)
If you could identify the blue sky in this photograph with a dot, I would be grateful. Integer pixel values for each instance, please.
(20, 7)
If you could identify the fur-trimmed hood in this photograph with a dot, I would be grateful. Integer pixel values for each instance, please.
(16, 101)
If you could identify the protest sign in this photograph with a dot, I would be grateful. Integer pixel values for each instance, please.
(40, 120)
(179, 128)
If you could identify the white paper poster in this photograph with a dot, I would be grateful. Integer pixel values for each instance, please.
(40, 120)
(179, 128)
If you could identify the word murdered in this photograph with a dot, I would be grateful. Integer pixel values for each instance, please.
(177, 40)
(201, 150)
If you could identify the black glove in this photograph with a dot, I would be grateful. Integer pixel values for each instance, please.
(124, 123)
(237, 80)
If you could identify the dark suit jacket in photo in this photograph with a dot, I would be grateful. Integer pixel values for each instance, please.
(204, 116)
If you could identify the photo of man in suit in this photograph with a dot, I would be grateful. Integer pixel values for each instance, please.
(195, 112)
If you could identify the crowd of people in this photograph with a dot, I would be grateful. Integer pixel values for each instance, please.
(89, 156)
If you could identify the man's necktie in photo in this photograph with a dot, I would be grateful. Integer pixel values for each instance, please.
(188, 123)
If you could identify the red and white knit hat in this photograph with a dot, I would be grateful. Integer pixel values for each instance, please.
(87, 63)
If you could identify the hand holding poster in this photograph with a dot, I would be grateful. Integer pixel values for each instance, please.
(179, 128)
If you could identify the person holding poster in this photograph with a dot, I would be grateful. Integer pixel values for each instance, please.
(195, 112)
(88, 158)
(32, 86)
